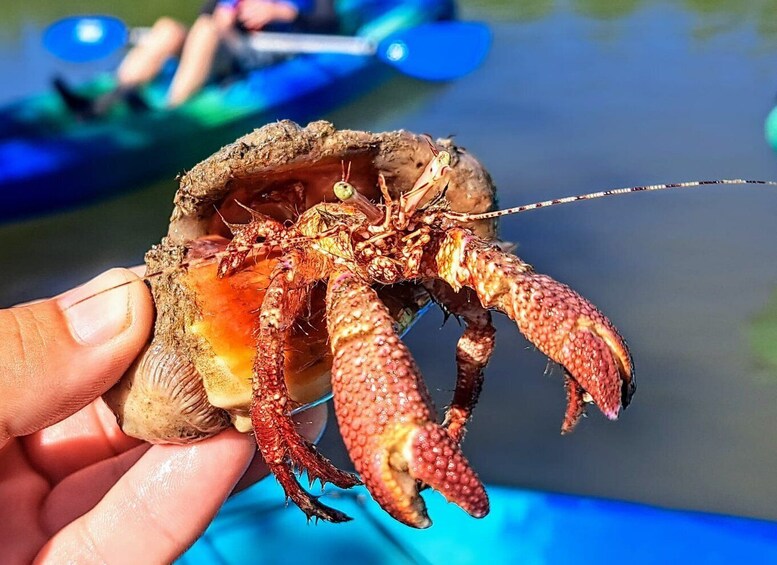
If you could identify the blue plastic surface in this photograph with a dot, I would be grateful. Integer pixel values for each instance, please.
(524, 527)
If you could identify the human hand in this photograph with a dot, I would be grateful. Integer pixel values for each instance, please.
(73, 487)
(256, 14)
(224, 17)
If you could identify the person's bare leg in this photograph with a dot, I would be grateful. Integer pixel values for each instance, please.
(145, 60)
(196, 60)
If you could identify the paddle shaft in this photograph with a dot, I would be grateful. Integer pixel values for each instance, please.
(288, 43)
(274, 42)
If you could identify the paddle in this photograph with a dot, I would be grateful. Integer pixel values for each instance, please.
(433, 51)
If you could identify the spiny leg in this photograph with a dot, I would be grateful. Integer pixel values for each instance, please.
(385, 412)
(243, 238)
(473, 352)
(561, 323)
(387, 200)
(575, 403)
(280, 443)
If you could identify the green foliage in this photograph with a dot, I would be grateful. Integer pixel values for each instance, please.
(763, 334)
(761, 13)
(605, 9)
(712, 16)
(137, 12)
(511, 10)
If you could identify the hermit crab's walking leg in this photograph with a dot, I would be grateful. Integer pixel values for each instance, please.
(278, 440)
(243, 238)
(387, 201)
(385, 412)
(561, 323)
(473, 351)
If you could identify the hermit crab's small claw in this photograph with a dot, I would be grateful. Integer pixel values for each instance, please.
(243, 241)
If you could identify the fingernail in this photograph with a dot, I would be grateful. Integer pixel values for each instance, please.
(96, 311)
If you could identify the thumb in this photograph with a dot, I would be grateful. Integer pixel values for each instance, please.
(58, 355)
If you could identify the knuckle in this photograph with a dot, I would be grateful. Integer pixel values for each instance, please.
(25, 343)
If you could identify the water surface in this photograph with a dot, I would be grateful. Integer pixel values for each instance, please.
(576, 96)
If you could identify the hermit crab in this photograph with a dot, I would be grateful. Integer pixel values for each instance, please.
(296, 252)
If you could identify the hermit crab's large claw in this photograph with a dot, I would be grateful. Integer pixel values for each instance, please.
(561, 323)
(385, 413)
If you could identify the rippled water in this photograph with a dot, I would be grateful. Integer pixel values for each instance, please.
(576, 96)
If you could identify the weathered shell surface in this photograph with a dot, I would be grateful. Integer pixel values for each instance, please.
(162, 398)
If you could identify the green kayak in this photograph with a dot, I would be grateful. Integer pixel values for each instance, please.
(50, 159)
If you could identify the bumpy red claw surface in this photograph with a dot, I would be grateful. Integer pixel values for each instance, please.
(562, 324)
(385, 412)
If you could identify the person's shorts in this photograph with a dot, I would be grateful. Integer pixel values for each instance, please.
(235, 58)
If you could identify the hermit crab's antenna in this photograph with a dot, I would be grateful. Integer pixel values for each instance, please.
(345, 174)
(461, 216)
(430, 140)
(205, 259)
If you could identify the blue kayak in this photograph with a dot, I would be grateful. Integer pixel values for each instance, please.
(49, 159)
(523, 527)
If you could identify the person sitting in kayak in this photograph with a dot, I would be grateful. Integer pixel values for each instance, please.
(201, 50)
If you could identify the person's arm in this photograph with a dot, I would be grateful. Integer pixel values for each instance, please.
(225, 16)
(256, 14)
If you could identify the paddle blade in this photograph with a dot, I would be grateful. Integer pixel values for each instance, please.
(85, 38)
(437, 51)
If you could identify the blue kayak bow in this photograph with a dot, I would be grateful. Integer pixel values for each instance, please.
(436, 51)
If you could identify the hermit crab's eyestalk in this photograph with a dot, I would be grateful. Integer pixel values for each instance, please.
(344, 191)
(348, 194)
